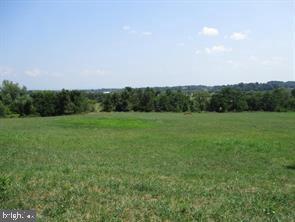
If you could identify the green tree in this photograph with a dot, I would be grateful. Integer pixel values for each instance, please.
(3, 109)
(23, 105)
(280, 99)
(107, 104)
(64, 105)
(229, 99)
(45, 103)
(147, 100)
(16, 98)
(254, 101)
(201, 100)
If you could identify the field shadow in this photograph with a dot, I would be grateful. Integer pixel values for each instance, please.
(118, 123)
(290, 167)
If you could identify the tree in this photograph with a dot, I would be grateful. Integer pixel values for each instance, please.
(228, 99)
(3, 109)
(64, 105)
(107, 105)
(23, 105)
(45, 103)
(16, 98)
(161, 103)
(79, 101)
(146, 100)
(202, 100)
(280, 99)
(254, 101)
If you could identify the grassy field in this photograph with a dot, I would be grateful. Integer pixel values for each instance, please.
(150, 167)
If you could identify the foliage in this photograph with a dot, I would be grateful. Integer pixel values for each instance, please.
(3, 109)
(225, 100)
(15, 100)
(228, 100)
(97, 94)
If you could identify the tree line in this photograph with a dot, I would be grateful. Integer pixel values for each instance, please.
(268, 86)
(16, 100)
(226, 100)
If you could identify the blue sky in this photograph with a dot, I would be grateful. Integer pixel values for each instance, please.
(101, 44)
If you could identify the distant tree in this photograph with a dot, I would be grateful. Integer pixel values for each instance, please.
(280, 99)
(146, 100)
(107, 105)
(10, 91)
(79, 101)
(202, 100)
(161, 103)
(45, 103)
(3, 110)
(228, 99)
(23, 105)
(125, 100)
(64, 105)
(218, 103)
(254, 101)
(16, 98)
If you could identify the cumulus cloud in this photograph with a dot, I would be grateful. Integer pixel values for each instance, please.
(126, 27)
(238, 36)
(146, 33)
(217, 49)
(207, 31)
(253, 58)
(198, 51)
(6, 71)
(234, 64)
(94, 72)
(274, 60)
(132, 32)
(35, 72)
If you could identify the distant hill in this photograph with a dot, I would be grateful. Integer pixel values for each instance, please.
(193, 88)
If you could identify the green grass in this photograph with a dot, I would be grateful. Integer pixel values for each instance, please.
(150, 167)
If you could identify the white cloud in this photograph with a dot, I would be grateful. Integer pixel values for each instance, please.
(132, 32)
(238, 36)
(6, 71)
(207, 31)
(198, 51)
(126, 27)
(275, 60)
(217, 49)
(190, 37)
(234, 64)
(94, 72)
(253, 58)
(35, 72)
(146, 33)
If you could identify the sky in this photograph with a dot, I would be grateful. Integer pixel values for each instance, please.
(110, 44)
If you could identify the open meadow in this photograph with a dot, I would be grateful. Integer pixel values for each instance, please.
(150, 166)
